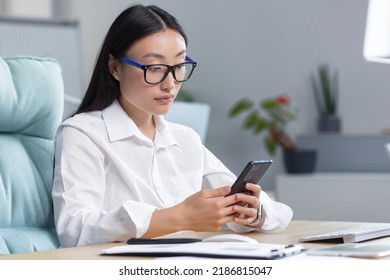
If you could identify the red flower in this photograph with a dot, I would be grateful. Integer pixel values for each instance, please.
(283, 99)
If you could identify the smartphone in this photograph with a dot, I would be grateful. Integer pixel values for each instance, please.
(252, 173)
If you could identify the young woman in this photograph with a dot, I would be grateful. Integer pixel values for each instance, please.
(123, 171)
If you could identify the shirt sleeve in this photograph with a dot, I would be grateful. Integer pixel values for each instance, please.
(78, 196)
(277, 215)
(215, 173)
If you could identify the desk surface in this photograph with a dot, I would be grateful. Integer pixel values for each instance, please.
(295, 231)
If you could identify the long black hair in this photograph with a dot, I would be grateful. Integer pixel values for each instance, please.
(134, 23)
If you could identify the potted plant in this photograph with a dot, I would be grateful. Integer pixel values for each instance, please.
(326, 92)
(271, 117)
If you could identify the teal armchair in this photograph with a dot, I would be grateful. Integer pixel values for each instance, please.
(31, 106)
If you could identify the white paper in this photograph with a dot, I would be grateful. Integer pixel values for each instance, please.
(210, 249)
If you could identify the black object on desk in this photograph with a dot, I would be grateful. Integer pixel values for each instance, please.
(146, 241)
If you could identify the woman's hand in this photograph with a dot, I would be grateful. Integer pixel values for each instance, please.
(208, 210)
(248, 207)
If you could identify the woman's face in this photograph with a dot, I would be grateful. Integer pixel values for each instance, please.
(139, 98)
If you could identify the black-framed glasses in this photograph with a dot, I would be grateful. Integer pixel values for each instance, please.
(156, 73)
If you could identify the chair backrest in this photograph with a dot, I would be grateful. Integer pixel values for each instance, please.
(31, 106)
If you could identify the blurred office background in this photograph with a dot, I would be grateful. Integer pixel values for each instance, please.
(256, 49)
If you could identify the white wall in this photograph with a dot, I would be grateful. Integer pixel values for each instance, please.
(26, 8)
(257, 49)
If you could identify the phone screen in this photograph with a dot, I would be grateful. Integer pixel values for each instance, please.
(252, 173)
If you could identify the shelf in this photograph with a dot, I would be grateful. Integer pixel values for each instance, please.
(348, 153)
(360, 197)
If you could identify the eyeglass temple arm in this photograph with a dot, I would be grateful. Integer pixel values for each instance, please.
(189, 59)
(127, 60)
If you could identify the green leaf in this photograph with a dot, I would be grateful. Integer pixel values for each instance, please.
(329, 85)
(261, 125)
(270, 145)
(251, 120)
(269, 103)
(335, 91)
(239, 107)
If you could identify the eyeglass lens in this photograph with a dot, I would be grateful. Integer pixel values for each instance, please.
(157, 73)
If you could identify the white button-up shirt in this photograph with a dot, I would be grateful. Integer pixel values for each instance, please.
(110, 178)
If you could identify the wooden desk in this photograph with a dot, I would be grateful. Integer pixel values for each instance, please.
(296, 230)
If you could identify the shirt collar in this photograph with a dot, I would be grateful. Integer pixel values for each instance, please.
(119, 126)
(118, 123)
